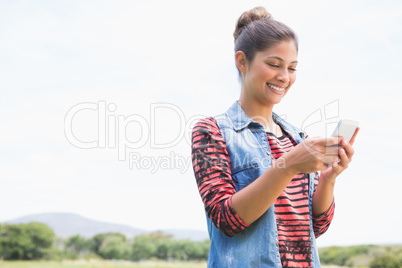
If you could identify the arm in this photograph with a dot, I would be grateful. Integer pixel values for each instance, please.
(211, 165)
(324, 195)
(321, 222)
(252, 201)
(307, 157)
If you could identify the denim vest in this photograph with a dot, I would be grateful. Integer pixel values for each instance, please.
(250, 155)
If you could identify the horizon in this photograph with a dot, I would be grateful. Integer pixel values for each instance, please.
(92, 219)
(173, 229)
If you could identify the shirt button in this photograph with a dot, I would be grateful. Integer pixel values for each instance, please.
(268, 153)
(277, 244)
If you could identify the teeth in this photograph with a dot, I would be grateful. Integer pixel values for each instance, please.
(276, 88)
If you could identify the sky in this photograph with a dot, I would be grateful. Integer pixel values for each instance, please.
(98, 100)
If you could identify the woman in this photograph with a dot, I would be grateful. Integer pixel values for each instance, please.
(258, 175)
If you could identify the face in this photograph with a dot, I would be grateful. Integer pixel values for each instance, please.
(269, 76)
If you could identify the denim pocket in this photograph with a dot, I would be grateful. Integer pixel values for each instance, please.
(244, 175)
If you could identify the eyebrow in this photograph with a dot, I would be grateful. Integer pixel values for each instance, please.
(278, 58)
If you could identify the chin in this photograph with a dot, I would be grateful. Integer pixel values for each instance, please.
(276, 99)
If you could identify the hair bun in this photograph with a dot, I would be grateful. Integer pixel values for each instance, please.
(248, 17)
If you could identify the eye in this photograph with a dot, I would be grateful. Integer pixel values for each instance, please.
(273, 65)
(292, 69)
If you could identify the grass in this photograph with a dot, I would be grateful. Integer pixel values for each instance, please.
(98, 264)
(105, 264)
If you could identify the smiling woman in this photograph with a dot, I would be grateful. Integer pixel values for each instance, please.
(257, 174)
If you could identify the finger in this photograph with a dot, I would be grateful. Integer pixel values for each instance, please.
(352, 140)
(342, 164)
(335, 165)
(330, 158)
(333, 150)
(334, 141)
(324, 166)
(348, 149)
(345, 160)
(337, 168)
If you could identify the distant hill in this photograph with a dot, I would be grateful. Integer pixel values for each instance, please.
(68, 224)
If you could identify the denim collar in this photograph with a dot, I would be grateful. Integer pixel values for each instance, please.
(240, 120)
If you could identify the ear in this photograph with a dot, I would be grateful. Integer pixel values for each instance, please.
(241, 61)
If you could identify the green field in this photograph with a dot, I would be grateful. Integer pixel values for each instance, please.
(98, 264)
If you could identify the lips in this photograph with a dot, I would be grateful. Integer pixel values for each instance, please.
(276, 89)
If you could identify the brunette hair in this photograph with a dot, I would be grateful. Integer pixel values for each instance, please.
(256, 30)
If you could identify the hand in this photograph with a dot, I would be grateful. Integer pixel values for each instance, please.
(345, 154)
(310, 155)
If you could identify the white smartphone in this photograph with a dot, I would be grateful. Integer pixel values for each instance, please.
(345, 128)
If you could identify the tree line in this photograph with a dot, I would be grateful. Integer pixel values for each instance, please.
(33, 241)
(372, 256)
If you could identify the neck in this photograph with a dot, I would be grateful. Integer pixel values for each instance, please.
(258, 112)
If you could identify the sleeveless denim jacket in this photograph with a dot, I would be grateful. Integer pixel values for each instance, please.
(250, 155)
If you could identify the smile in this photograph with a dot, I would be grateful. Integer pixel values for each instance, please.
(280, 89)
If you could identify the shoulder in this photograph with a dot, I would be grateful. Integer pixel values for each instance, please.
(206, 133)
(206, 125)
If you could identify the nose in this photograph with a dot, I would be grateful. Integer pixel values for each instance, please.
(283, 76)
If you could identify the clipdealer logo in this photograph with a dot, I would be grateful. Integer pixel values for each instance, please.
(113, 133)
